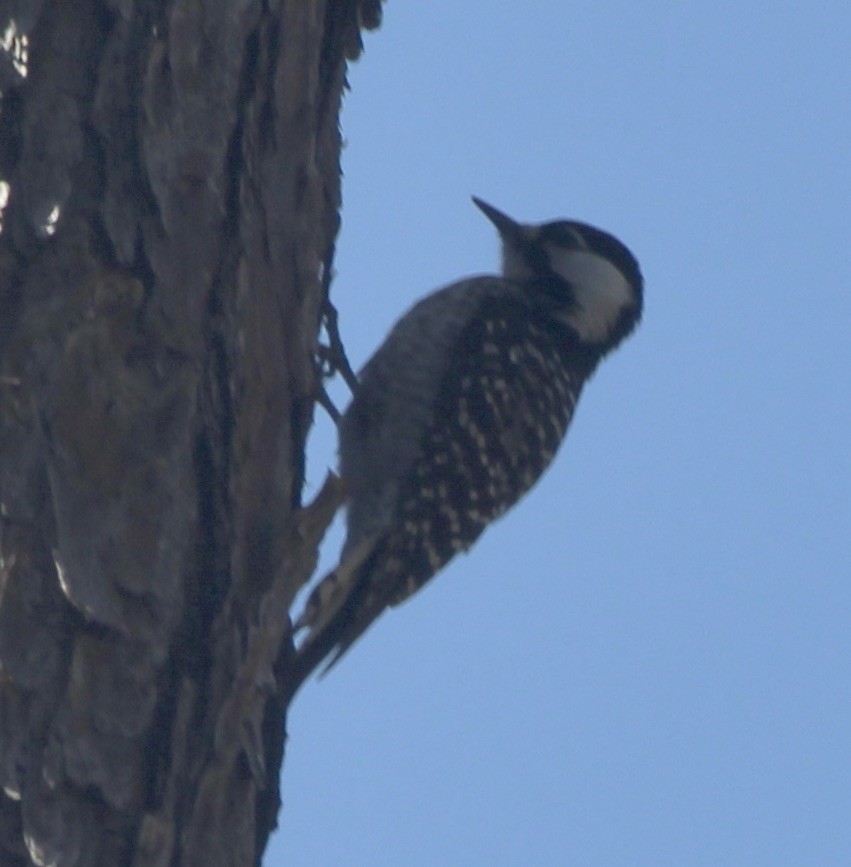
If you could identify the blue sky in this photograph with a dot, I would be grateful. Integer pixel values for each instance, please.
(648, 661)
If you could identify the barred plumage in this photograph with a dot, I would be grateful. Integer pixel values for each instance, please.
(461, 410)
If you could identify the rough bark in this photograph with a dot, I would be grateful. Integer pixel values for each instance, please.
(172, 176)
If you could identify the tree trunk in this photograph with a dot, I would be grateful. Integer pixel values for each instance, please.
(170, 174)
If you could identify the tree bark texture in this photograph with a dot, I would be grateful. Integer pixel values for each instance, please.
(170, 174)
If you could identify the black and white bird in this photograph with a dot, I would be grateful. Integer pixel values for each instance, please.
(461, 410)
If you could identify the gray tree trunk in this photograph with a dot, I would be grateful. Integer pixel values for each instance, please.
(170, 188)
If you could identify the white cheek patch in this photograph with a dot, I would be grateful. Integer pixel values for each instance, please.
(602, 293)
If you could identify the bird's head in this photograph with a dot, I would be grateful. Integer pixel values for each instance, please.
(596, 275)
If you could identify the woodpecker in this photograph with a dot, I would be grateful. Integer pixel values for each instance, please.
(460, 411)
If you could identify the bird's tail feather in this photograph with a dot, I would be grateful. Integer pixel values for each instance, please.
(331, 593)
(328, 616)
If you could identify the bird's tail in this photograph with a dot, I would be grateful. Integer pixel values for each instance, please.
(329, 615)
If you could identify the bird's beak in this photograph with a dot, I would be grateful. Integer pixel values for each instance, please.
(507, 228)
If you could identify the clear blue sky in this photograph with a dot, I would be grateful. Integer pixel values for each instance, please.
(647, 662)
